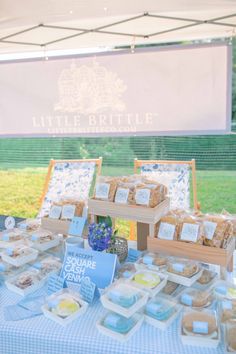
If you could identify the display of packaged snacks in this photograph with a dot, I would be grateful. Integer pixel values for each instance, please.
(217, 229)
(168, 227)
(47, 265)
(196, 298)
(105, 188)
(155, 261)
(149, 195)
(161, 312)
(11, 238)
(227, 310)
(183, 271)
(42, 240)
(191, 230)
(119, 327)
(29, 224)
(125, 193)
(19, 255)
(224, 289)
(126, 270)
(200, 328)
(150, 281)
(207, 279)
(172, 289)
(230, 338)
(26, 282)
(124, 299)
(64, 307)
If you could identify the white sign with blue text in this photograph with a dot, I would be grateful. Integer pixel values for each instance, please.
(80, 263)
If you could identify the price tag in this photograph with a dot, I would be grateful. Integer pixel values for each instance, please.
(55, 283)
(87, 290)
(55, 212)
(9, 223)
(122, 195)
(102, 190)
(77, 226)
(166, 231)
(189, 232)
(210, 228)
(142, 196)
(68, 212)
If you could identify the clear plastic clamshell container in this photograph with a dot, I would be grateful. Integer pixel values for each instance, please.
(126, 270)
(8, 271)
(183, 271)
(172, 289)
(64, 307)
(150, 281)
(195, 298)
(124, 299)
(160, 312)
(200, 328)
(43, 240)
(19, 255)
(206, 280)
(152, 261)
(26, 282)
(230, 338)
(47, 265)
(227, 310)
(119, 327)
(29, 224)
(223, 289)
(12, 238)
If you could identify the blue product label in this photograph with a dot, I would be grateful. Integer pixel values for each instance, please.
(221, 290)
(186, 299)
(112, 320)
(227, 305)
(178, 267)
(147, 259)
(2, 267)
(37, 265)
(127, 274)
(5, 237)
(34, 237)
(9, 251)
(200, 327)
(153, 307)
(52, 304)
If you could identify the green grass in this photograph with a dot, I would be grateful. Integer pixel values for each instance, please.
(20, 191)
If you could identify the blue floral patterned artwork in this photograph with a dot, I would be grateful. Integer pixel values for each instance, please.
(176, 177)
(70, 179)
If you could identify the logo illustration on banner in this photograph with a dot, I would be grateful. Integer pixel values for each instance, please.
(89, 89)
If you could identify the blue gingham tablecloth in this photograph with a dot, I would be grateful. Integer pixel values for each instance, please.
(40, 335)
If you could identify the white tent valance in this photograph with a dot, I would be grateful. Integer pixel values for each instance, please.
(32, 26)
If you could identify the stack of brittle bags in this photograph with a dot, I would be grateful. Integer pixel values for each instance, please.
(214, 230)
(130, 190)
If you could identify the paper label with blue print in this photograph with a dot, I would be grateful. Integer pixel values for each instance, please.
(210, 228)
(68, 212)
(189, 232)
(142, 196)
(55, 212)
(102, 190)
(122, 195)
(166, 231)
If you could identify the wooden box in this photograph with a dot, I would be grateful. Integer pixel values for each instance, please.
(129, 212)
(220, 256)
(55, 225)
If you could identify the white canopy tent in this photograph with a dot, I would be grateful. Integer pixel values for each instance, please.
(35, 27)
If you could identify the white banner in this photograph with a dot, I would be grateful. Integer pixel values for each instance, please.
(170, 91)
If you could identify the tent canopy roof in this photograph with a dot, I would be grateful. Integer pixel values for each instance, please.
(36, 25)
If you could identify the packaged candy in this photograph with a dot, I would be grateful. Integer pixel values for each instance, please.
(152, 261)
(191, 230)
(196, 298)
(105, 188)
(227, 310)
(48, 265)
(44, 239)
(149, 281)
(25, 282)
(230, 338)
(217, 229)
(19, 255)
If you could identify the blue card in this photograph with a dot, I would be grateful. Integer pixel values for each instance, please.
(87, 290)
(80, 263)
(133, 255)
(77, 226)
(32, 303)
(55, 283)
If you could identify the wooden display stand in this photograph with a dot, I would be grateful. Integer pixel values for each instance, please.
(218, 256)
(146, 218)
(55, 225)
